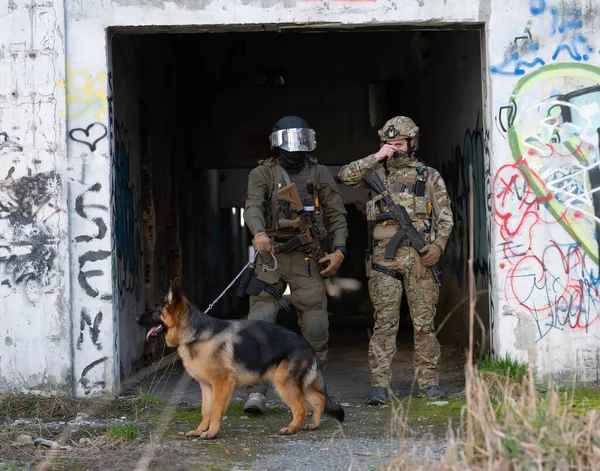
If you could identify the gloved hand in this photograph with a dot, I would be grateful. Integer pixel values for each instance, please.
(420, 269)
(433, 252)
(335, 262)
(262, 242)
(386, 152)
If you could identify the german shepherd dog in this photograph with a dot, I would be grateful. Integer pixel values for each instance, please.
(222, 355)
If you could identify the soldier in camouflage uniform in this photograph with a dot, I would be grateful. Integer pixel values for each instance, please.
(293, 140)
(421, 190)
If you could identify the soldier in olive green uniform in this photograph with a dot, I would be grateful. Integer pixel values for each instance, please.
(421, 190)
(294, 140)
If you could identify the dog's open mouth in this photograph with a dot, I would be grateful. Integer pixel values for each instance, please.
(155, 331)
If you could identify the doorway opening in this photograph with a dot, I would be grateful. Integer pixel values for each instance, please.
(191, 113)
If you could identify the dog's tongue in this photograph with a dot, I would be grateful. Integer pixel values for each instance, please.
(152, 331)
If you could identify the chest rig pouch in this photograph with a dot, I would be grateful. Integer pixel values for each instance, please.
(405, 193)
(421, 201)
(277, 209)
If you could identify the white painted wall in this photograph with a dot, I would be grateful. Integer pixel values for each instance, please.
(536, 50)
(95, 356)
(35, 326)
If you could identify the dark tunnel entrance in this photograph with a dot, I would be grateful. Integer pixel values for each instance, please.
(192, 113)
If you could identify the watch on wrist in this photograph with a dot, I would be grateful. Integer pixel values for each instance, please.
(341, 248)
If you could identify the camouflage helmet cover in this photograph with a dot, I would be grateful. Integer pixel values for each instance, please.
(399, 127)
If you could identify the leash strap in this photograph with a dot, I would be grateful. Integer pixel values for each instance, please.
(250, 262)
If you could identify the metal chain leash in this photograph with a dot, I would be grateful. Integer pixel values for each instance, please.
(266, 268)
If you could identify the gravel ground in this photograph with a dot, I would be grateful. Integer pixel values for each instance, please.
(351, 453)
(367, 440)
(364, 441)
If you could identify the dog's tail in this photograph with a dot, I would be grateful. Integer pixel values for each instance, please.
(332, 408)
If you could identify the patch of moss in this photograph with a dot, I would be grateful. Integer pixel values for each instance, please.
(234, 414)
(581, 400)
(422, 408)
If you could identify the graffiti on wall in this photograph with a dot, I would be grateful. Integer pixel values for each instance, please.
(86, 94)
(94, 328)
(563, 26)
(95, 214)
(96, 207)
(88, 135)
(546, 200)
(124, 214)
(471, 152)
(85, 275)
(547, 203)
(127, 225)
(8, 143)
(87, 382)
(28, 249)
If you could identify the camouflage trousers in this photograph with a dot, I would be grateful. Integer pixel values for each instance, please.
(386, 295)
(308, 296)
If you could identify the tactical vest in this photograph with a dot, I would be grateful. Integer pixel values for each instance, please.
(277, 209)
(407, 187)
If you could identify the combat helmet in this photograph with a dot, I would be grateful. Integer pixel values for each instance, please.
(401, 127)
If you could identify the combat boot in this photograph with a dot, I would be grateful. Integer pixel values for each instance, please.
(432, 392)
(378, 397)
(255, 404)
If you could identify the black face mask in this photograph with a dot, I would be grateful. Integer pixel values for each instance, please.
(293, 162)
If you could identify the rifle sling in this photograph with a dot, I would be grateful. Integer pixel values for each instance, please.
(388, 271)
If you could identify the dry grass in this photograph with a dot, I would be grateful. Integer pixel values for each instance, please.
(507, 424)
(520, 429)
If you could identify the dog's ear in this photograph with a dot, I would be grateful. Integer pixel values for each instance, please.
(175, 293)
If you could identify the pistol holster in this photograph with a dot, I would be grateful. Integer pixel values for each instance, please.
(250, 284)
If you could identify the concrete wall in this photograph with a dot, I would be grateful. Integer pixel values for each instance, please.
(55, 124)
(545, 108)
(35, 324)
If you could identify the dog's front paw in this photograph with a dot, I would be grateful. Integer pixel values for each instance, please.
(192, 433)
(311, 427)
(208, 435)
(287, 431)
(203, 427)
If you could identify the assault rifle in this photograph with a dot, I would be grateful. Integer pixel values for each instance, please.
(308, 235)
(401, 216)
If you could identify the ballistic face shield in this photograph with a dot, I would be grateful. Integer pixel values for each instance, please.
(294, 139)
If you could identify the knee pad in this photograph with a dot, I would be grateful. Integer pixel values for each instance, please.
(257, 315)
(317, 330)
(262, 312)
